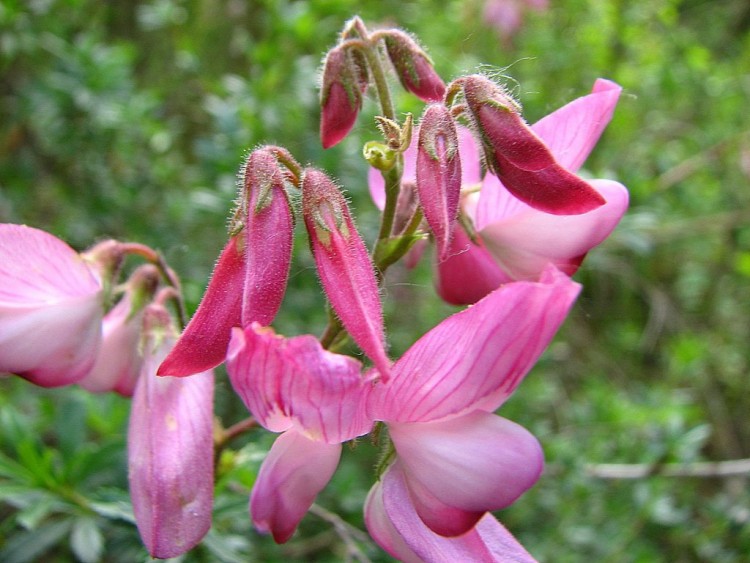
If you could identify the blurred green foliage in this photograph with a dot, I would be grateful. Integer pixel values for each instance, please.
(129, 119)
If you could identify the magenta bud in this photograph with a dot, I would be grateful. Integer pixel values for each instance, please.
(517, 156)
(203, 343)
(344, 265)
(269, 227)
(438, 172)
(344, 81)
(413, 66)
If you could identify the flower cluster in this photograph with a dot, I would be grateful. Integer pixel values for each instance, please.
(511, 222)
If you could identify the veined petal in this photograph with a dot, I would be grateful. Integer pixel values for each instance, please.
(460, 468)
(294, 472)
(295, 383)
(572, 131)
(500, 339)
(468, 273)
(118, 362)
(393, 522)
(203, 343)
(524, 241)
(170, 457)
(50, 308)
(346, 271)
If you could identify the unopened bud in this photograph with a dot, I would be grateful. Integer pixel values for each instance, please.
(413, 66)
(438, 172)
(516, 155)
(344, 81)
(344, 265)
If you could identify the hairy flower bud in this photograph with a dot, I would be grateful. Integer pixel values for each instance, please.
(519, 157)
(344, 82)
(269, 225)
(438, 172)
(413, 66)
(344, 265)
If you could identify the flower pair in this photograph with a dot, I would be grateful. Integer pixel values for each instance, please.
(455, 458)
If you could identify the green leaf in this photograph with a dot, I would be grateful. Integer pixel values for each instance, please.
(30, 545)
(86, 540)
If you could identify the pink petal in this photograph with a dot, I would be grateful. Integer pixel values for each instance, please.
(523, 240)
(471, 163)
(438, 172)
(500, 339)
(393, 522)
(118, 363)
(203, 344)
(409, 174)
(572, 131)
(269, 228)
(468, 273)
(294, 472)
(50, 308)
(345, 268)
(460, 468)
(295, 383)
(170, 457)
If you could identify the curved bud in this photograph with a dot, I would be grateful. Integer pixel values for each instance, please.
(269, 227)
(203, 343)
(438, 172)
(413, 66)
(519, 157)
(344, 81)
(50, 308)
(344, 265)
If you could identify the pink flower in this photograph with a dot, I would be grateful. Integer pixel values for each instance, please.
(459, 460)
(249, 280)
(514, 240)
(50, 308)
(393, 522)
(522, 240)
(315, 398)
(170, 448)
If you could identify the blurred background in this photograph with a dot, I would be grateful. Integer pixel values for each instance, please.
(130, 118)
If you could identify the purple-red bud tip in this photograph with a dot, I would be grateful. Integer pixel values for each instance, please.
(413, 67)
(344, 81)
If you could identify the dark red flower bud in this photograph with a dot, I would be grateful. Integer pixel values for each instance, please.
(344, 82)
(413, 66)
(517, 156)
